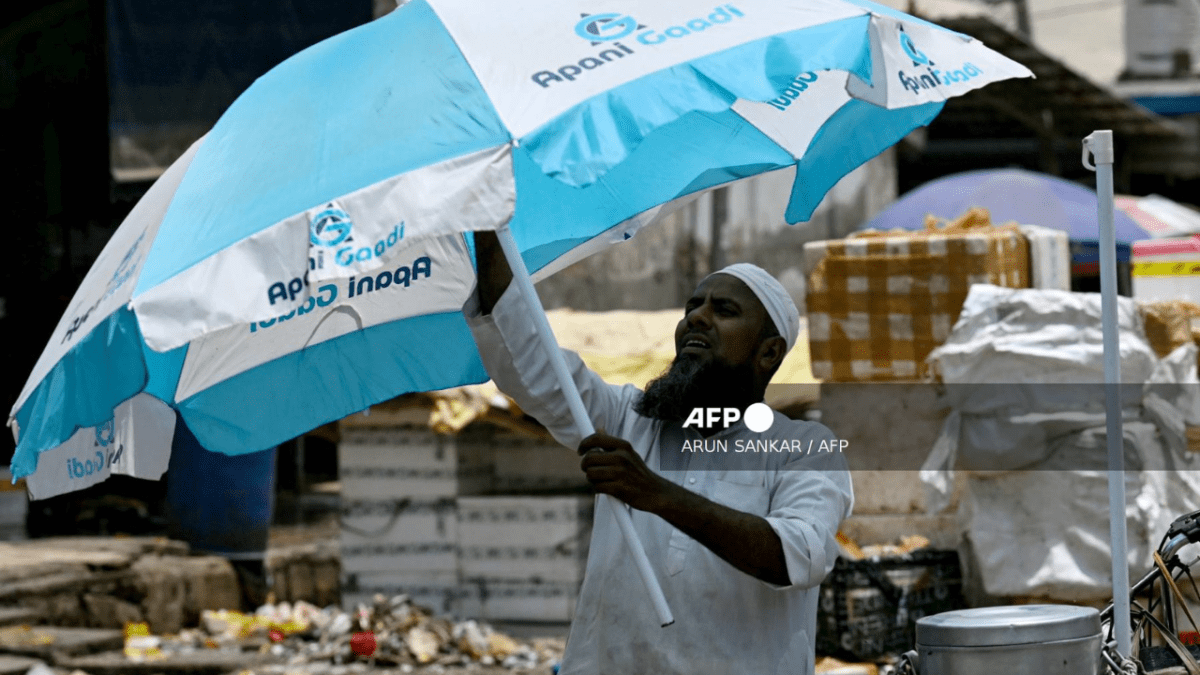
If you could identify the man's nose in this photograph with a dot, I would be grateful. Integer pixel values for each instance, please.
(701, 316)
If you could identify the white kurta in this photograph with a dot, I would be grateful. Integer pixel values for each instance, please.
(726, 621)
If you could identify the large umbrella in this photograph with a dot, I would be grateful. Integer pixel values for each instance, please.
(311, 261)
(1159, 216)
(1027, 197)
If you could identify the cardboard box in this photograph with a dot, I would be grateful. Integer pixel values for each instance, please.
(878, 305)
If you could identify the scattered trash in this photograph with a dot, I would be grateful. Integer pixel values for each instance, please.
(140, 644)
(363, 643)
(390, 633)
(831, 666)
(901, 547)
(25, 636)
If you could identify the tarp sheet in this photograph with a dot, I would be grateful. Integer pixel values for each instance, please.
(1035, 507)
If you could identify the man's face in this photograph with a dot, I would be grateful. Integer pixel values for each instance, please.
(722, 323)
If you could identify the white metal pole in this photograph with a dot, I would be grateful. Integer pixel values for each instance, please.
(1100, 144)
(583, 423)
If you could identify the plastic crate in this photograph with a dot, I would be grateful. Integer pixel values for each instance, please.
(869, 608)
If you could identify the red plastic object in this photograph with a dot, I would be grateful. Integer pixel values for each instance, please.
(363, 643)
(276, 635)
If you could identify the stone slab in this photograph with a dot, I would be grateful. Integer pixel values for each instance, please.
(59, 582)
(52, 643)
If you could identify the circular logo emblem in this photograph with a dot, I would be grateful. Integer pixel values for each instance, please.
(605, 27)
(330, 227)
(105, 433)
(915, 54)
(759, 417)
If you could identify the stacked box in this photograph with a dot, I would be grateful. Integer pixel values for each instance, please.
(546, 602)
(878, 305)
(387, 463)
(399, 526)
(531, 465)
(523, 558)
(399, 536)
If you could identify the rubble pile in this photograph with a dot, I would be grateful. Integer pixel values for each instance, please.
(391, 632)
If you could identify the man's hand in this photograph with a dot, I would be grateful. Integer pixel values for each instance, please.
(491, 269)
(614, 468)
(743, 540)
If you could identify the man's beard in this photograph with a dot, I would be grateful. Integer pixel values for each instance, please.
(690, 383)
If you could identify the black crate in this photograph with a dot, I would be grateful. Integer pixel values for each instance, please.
(869, 608)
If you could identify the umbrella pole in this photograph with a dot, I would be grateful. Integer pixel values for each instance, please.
(583, 423)
(1100, 144)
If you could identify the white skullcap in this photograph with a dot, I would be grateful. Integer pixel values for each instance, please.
(773, 296)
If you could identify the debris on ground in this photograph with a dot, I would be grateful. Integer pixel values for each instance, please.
(831, 666)
(391, 633)
(901, 547)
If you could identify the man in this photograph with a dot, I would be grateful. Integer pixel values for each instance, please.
(741, 543)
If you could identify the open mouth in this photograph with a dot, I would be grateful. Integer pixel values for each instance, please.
(695, 344)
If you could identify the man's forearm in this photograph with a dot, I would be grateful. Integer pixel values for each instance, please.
(491, 269)
(741, 539)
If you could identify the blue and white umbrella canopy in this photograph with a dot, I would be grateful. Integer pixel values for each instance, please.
(307, 259)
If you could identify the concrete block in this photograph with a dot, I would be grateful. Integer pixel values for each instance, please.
(164, 592)
(107, 611)
(306, 572)
(210, 583)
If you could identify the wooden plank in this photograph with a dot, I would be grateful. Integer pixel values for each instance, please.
(12, 616)
(16, 665)
(59, 582)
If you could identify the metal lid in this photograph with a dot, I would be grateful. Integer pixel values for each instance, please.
(1012, 625)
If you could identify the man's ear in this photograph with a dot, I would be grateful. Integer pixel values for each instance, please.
(771, 353)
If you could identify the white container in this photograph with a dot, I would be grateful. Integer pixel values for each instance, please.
(524, 539)
(526, 465)
(399, 535)
(519, 601)
(384, 464)
(1167, 269)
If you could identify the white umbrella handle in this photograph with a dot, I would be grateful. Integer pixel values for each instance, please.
(1100, 144)
(583, 423)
